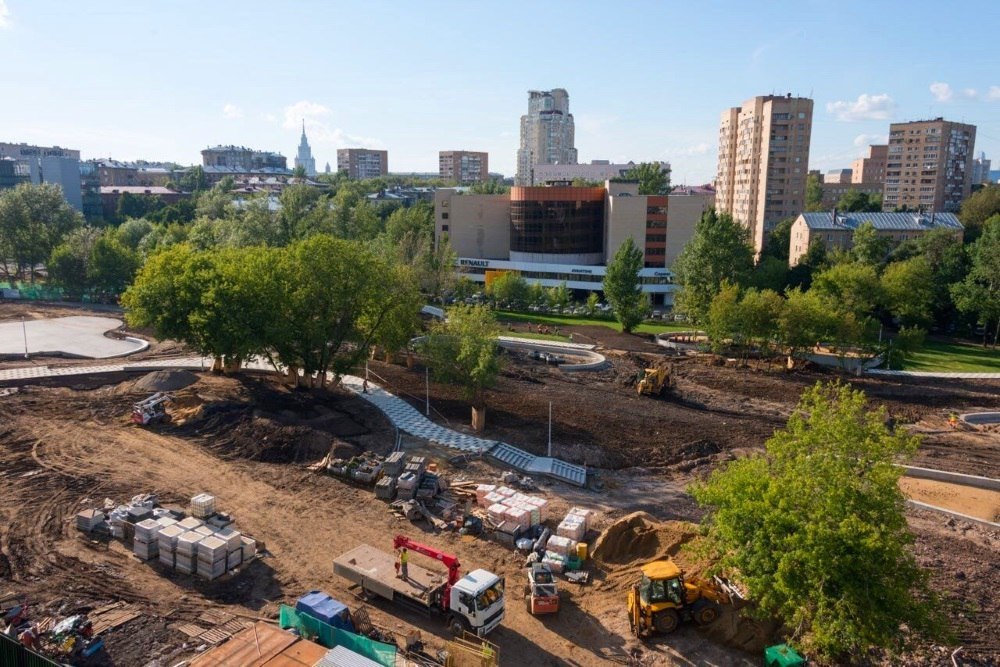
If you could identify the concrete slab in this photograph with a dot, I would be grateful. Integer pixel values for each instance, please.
(77, 336)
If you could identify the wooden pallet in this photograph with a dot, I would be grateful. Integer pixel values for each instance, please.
(190, 629)
(234, 626)
(214, 636)
(215, 617)
(113, 618)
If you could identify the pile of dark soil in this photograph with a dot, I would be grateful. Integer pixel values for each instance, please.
(166, 380)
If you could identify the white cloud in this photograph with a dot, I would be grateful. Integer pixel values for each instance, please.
(867, 107)
(863, 140)
(697, 149)
(232, 111)
(941, 91)
(4, 15)
(319, 131)
(970, 94)
(994, 93)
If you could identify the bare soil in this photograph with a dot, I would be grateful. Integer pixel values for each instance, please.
(968, 500)
(248, 441)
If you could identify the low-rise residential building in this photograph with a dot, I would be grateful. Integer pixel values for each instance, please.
(221, 161)
(835, 229)
(111, 194)
(832, 192)
(464, 167)
(561, 233)
(138, 173)
(362, 163)
(837, 176)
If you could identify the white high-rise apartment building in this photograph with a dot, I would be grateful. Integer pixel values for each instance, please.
(547, 133)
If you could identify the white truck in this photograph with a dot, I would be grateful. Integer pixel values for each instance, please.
(471, 603)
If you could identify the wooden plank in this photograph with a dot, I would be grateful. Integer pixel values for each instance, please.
(214, 617)
(112, 621)
(190, 629)
(106, 608)
(234, 626)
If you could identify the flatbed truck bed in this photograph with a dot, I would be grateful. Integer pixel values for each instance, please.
(375, 571)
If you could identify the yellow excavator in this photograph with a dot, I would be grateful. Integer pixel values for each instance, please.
(664, 597)
(654, 381)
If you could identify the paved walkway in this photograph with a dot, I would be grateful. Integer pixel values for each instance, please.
(76, 336)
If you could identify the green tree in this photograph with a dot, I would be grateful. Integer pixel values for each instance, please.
(463, 350)
(490, 187)
(719, 250)
(68, 266)
(849, 288)
(137, 206)
(34, 219)
(909, 291)
(724, 324)
(621, 286)
(653, 178)
(558, 296)
(979, 208)
(417, 219)
(215, 204)
(815, 528)
(299, 172)
(805, 320)
(112, 264)
(510, 289)
(592, 300)
(979, 293)
(761, 312)
(867, 246)
(132, 232)
(814, 194)
(779, 240)
(853, 201)
(903, 345)
(194, 180)
(770, 273)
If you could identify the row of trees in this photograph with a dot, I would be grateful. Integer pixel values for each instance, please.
(317, 305)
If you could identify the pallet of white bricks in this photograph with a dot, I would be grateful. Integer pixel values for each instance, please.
(204, 544)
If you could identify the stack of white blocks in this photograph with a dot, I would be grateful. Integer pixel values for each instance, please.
(145, 545)
(211, 558)
(505, 505)
(168, 543)
(187, 551)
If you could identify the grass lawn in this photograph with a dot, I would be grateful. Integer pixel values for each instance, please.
(581, 320)
(534, 336)
(955, 357)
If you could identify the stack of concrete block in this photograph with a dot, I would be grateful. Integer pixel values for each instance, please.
(406, 486)
(385, 489)
(190, 523)
(211, 558)
(145, 543)
(88, 520)
(202, 506)
(164, 520)
(482, 491)
(249, 547)
(167, 540)
(517, 518)
(234, 547)
(187, 551)
(557, 551)
(572, 527)
(393, 464)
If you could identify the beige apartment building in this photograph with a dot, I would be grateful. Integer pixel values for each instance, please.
(464, 167)
(871, 168)
(361, 163)
(928, 165)
(763, 162)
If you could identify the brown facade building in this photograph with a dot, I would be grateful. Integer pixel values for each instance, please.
(832, 192)
(362, 163)
(871, 168)
(763, 162)
(464, 167)
(928, 165)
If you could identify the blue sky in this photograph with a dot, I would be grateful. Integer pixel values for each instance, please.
(647, 80)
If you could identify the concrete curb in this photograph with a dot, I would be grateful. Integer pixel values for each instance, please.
(955, 515)
(953, 477)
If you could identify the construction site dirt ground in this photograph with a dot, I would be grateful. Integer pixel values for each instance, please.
(248, 441)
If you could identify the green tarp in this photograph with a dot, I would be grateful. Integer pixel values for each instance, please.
(329, 636)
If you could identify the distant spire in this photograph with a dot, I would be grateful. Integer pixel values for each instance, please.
(303, 128)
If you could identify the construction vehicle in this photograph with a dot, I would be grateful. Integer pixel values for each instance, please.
(540, 594)
(654, 381)
(664, 597)
(473, 603)
(152, 410)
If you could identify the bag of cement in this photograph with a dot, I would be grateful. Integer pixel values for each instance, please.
(525, 544)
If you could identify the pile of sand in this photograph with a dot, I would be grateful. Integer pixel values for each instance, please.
(639, 537)
(166, 380)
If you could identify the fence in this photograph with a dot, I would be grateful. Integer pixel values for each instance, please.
(329, 636)
(13, 654)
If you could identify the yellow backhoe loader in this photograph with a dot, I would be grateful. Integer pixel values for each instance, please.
(664, 597)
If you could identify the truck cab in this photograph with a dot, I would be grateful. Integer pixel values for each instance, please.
(477, 603)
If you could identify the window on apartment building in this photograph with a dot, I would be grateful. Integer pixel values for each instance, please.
(444, 228)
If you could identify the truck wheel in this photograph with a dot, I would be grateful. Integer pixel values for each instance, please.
(705, 612)
(666, 621)
(456, 626)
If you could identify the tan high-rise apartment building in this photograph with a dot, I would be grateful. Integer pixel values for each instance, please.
(928, 166)
(464, 167)
(870, 169)
(361, 163)
(547, 134)
(763, 162)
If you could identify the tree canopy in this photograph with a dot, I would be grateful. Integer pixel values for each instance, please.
(719, 250)
(814, 528)
(979, 293)
(622, 288)
(653, 178)
(34, 219)
(463, 350)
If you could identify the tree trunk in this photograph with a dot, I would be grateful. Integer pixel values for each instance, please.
(217, 365)
(478, 419)
(292, 376)
(409, 359)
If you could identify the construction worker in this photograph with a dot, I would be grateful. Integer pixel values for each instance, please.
(364, 386)
(953, 420)
(404, 559)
